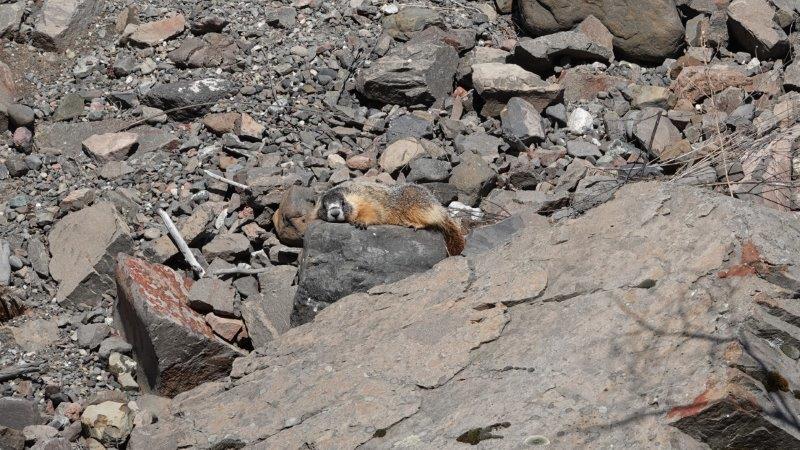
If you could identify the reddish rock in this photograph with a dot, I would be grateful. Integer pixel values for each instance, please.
(110, 146)
(175, 348)
(583, 84)
(247, 128)
(154, 33)
(226, 328)
(360, 162)
(22, 137)
(220, 123)
(697, 82)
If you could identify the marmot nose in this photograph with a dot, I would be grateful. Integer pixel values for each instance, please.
(336, 214)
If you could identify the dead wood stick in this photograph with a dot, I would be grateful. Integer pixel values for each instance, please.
(181, 243)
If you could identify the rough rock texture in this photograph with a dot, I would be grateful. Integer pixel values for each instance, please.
(438, 358)
(591, 41)
(752, 26)
(645, 30)
(340, 259)
(175, 348)
(83, 246)
(268, 315)
(417, 72)
(60, 21)
(184, 94)
(497, 83)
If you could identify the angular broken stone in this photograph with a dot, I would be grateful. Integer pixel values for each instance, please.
(497, 83)
(109, 422)
(473, 178)
(752, 26)
(589, 42)
(666, 134)
(11, 17)
(83, 246)
(522, 124)
(400, 153)
(269, 315)
(212, 295)
(210, 50)
(175, 348)
(227, 246)
(18, 413)
(59, 22)
(226, 328)
(111, 146)
(154, 33)
(383, 254)
(419, 72)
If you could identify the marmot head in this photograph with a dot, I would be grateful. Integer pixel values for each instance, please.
(333, 207)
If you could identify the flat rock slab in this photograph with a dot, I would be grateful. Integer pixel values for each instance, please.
(340, 259)
(83, 245)
(175, 348)
(418, 72)
(67, 138)
(575, 313)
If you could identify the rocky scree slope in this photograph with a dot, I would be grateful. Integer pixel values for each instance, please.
(230, 117)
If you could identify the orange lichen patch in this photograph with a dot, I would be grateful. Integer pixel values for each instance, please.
(165, 291)
(698, 404)
(752, 263)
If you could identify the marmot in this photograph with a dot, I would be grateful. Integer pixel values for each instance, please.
(365, 203)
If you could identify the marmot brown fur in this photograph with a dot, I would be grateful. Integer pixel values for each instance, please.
(365, 203)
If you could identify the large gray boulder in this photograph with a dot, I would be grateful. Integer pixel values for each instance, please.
(340, 259)
(664, 318)
(645, 30)
(60, 22)
(415, 72)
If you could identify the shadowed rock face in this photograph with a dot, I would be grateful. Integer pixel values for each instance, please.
(657, 319)
(646, 30)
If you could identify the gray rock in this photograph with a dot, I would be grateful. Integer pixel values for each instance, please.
(473, 178)
(269, 314)
(70, 107)
(483, 144)
(590, 42)
(470, 332)
(39, 257)
(92, 335)
(752, 27)
(424, 170)
(166, 96)
(18, 413)
(83, 246)
(647, 30)
(497, 83)
(174, 347)
(11, 18)
(666, 134)
(59, 22)
(583, 149)
(522, 124)
(5, 263)
(418, 72)
(212, 295)
(114, 344)
(410, 19)
(340, 259)
(227, 246)
(408, 126)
